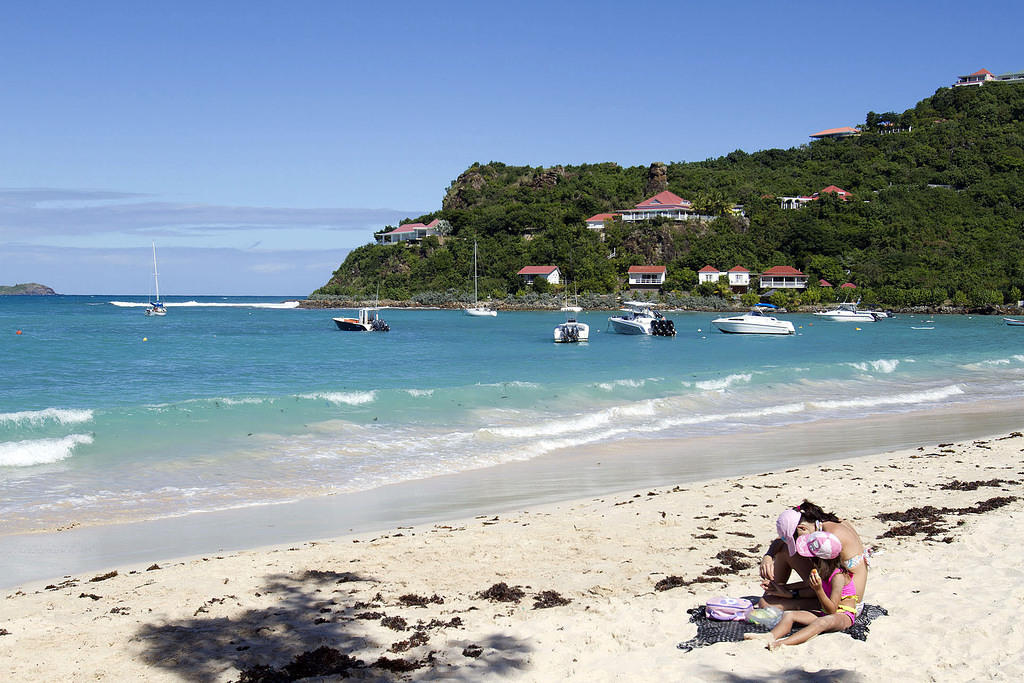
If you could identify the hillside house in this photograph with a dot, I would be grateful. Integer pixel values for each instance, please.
(799, 202)
(664, 204)
(647, 277)
(708, 274)
(408, 232)
(597, 221)
(836, 133)
(739, 279)
(531, 273)
(783, 277)
(976, 78)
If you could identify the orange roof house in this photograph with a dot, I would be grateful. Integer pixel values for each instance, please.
(843, 132)
(976, 78)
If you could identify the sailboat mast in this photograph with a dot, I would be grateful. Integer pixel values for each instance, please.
(476, 297)
(156, 280)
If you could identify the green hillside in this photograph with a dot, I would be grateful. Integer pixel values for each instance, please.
(935, 215)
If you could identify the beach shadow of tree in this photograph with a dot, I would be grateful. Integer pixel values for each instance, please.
(794, 676)
(313, 625)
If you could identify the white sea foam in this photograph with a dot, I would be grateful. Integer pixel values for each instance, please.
(36, 417)
(632, 383)
(420, 393)
(881, 365)
(354, 398)
(723, 383)
(580, 423)
(40, 451)
(913, 397)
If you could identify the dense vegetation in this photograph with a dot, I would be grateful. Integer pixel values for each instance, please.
(935, 216)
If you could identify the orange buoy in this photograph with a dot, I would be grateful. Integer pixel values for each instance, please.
(18, 332)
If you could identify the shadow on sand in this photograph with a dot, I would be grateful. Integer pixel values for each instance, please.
(313, 625)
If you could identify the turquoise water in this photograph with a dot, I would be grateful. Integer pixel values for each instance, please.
(108, 415)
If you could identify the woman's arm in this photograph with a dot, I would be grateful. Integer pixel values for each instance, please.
(767, 567)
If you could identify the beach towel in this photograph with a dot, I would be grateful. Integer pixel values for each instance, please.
(711, 631)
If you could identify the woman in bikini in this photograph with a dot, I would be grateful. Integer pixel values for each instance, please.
(836, 596)
(782, 557)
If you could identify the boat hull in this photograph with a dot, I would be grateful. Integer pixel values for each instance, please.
(841, 317)
(621, 326)
(480, 312)
(350, 325)
(740, 326)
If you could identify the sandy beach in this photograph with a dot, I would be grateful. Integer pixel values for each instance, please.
(567, 590)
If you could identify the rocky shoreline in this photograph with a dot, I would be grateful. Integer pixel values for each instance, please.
(26, 289)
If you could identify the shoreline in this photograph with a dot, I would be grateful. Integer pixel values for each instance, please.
(557, 477)
(415, 598)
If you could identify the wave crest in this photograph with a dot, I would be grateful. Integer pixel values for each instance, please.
(40, 451)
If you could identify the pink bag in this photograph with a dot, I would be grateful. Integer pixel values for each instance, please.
(728, 609)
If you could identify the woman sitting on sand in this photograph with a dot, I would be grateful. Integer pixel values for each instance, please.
(836, 595)
(782, 557)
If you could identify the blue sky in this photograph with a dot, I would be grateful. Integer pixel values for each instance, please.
(256, 142)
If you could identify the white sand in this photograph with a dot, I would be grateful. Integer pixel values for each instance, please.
(955, 602)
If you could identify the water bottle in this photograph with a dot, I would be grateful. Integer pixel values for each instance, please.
(767, 617)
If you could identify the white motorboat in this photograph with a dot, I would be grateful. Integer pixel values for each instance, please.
(638, 317)
(1013, 321)
(156, 307)
(572, 331)
(477, 310)
(757, 321)
(848, 313)
(367, 320)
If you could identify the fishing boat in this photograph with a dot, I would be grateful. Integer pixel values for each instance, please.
(366, 320)
(757, 321)
(156, 307)
(571, 330)
(477, 310)
(639, 317)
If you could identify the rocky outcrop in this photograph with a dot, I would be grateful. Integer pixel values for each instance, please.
(27, 289)
(461, 193)
(657, 178)
(548, 177)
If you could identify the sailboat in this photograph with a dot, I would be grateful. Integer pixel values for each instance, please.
(477, 309)
(156, 307)
(571, 308)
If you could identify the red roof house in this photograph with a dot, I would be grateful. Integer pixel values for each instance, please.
(665, 204)
(842, 132)
(596, 221)
(647, 276)
(783, 277)
(549, 273)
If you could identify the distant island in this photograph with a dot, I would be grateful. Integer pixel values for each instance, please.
(26, 289)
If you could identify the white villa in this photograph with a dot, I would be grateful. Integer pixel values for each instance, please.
(783, 277)
(664, 204)
(549, 273)
(799, 202)
(647, 277)
(739, 277)
(984, 76)
(408, 232)
(597, 221)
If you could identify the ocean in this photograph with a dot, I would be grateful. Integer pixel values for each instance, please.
(109, 416)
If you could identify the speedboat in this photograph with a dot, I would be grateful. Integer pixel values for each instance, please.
(639, 318)
(848, 313)
(368, 320)
(572, 331)
(757, 321)
(1013, 321)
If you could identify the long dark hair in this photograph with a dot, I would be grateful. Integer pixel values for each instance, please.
(809, 512)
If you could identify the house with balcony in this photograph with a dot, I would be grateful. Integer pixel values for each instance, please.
(531, 273)
(647, 277)
(739, 279)
(976, 78)
(783, 277)
(408, 232)
(662, 205)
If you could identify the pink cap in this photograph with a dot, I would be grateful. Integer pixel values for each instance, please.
(786, 526)
(819, 544)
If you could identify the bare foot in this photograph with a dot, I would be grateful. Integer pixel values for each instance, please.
(758, 636)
